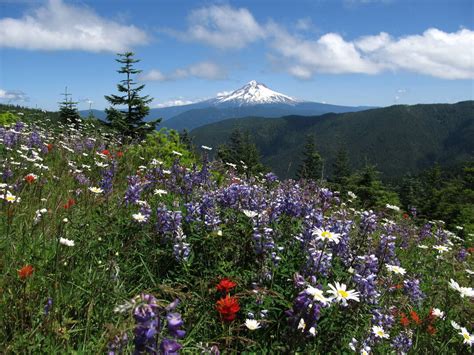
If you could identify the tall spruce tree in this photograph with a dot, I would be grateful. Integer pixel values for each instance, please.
(311, 163)
(68, 112)
(129, 121)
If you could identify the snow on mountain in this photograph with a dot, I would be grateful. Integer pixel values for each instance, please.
(253, 93)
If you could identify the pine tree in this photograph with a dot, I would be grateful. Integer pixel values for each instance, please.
(311, 163)
(185, 139)
(130, 120)
(68, 112)
(242, 152)
(341, 169)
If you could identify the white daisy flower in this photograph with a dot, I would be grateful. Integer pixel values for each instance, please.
(160, 192)
(140, 218)
(252, 324)
(96, 190)
(341, 294)
(438, 313)
(250, 214)
(392, 207)
(205, 147)
(325, 235)
(379, 332)
(441, 248)
(396, 269)
(455, 325)
(66, 242)
(468, 338)
(317, 295)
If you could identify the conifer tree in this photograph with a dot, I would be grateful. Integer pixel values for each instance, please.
(242, 152)
(185, 139)
(129, 121)
(68, 112)
(311, 163)
(341, 169)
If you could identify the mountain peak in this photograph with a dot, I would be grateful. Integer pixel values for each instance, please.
(254, 93)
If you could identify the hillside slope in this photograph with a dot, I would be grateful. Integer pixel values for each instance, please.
(398, 139)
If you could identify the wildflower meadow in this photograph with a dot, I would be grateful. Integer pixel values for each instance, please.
(110, 247)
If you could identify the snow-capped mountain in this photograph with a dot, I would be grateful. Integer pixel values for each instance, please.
(253, 93)
(253, 99)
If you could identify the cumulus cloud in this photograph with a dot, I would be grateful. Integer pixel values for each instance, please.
(221, 26)
(60, 26)
(435, 52)
(202, 70)
(12, 96)
(446, 55)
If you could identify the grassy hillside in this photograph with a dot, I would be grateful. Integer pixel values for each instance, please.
(398, 139)
(146, 249)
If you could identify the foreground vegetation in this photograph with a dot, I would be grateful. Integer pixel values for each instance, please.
(149, 247)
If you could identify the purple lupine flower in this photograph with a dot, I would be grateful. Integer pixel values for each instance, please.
(402, 343)
(48, 306)
(147, 323)
(174, 323)
(116, 345)
(107, 177)
(412, 289)
(35, 140)
(134, 189)
(365, 277)
(169, 347)
(368, 223)
(461, 255)
(386, 250)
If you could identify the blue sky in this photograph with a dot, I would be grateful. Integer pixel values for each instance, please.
(351, 52)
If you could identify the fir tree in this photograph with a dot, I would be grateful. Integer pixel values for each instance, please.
(341, 169)
(185, 139)
(311, 163)
(130, 120)
(68, 112)
(242, 152)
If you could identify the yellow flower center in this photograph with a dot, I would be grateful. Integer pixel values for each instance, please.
(380, 333)
(10, 198)
(466, 336)
(344, 294)
(326, 234)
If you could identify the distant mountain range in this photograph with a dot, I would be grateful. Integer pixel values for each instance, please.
(253, 99)
(397, 139)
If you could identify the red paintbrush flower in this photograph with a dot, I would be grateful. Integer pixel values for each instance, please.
(106, 152)
(406, 216)
(228, 308)
(119, 154)
(225, 285)
(414, 316)
(25, 272)
(49, 146)
(30, 178)
(431, 330)
(404, 320)
(69, 203)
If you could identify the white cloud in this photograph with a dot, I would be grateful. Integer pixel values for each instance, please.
(60, 26)
(153, 75)
(177, 102)
(435, 52)
(446, 55)
(222, 26)
(223, 93)
(12, 95)
(202, 70)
